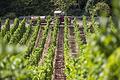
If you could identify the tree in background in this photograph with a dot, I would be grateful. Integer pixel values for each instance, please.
(25, 7)
(14, 8)
(63, 4)
(100, 9)
(98, 6)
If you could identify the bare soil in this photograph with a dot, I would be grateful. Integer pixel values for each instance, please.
(46, 46)
(72, 43)
(82, 35)
(38, 37)
(58, 73)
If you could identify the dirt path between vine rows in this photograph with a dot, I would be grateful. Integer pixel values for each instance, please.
(58, 73)
(46, 46)
(38, 37)
(82, 34)
(72, 42)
